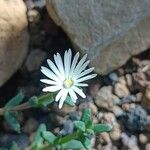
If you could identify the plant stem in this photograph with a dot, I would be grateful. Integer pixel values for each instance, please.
(25, 105)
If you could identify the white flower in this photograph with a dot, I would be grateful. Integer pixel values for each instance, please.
(67, 76)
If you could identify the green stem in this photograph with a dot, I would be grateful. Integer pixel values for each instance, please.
(26, 105)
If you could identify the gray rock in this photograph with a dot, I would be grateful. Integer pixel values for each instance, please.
(105, 98)
(110, 32)
(13, 37)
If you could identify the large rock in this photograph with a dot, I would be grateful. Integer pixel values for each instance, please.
(110, 32)
(13, 37)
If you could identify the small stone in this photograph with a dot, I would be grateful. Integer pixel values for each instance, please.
(129, 142)
(104, 137)
(115, 134)
(146, 97)
(93, 88)
(117, 110)
(33, 16)
(75, 115)
(93, 107)
(109, 118)
(126, 107)
(147, 146)
(128, 99)
(139, 97)
(105, 98)
(129, 81)
(143, 138)
(30, 125)
(35, 59)
(121, 90)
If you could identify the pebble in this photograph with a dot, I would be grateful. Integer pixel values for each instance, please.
(147, 146)
(146, 97)
(143, 139)
(104, 138)
(117, 110)
(129, 142)
(115, 134)
(33, 16)
(121, 90)
(30, 125)
(105, 98)
(93, 88)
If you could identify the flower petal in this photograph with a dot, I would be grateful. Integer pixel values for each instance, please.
(63, 98)
(74, 62)
(47, 81)
(54, 68)
(59, 63)
(59, 95)
(73, 95)
(80, 63)
(51, 88)
(49, 73)
(81, 84)
(85, 72)
(67, 61)
(86, 78)
(79, 91)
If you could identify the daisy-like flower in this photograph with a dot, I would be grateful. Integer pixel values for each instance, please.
(67, 76)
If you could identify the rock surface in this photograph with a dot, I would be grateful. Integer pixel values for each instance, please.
(13, 37)
(110, 32)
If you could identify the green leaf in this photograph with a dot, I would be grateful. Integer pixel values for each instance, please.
(73, 144)
(33, 101)
(49, 137)
(90, 131)
(86, 142)
(80, 125)
(69, 101)
(45, 100)
(15, 101)
(12, 121)
(38, 139)
(87, 118)
(14, 146)
(99, 128)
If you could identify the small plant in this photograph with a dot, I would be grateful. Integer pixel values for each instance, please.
(65, 79)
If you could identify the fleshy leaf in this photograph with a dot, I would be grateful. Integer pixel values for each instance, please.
(12, 121)
(86, 118)
(86, 142)
(73, 144)
(15, 101)
(69, 101)
(45, 100)
(80, 125)
(14, 146)
(99, 128)
(38, 139)
(48, 136)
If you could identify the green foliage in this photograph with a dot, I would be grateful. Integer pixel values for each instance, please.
(69, 101)
(10, 118)
(99, 128)
(49, 137)
(14, 146)
(80, 125)
(38, 138)
(15, 101)
(73, 144)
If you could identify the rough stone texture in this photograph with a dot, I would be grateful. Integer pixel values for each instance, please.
(13, 37)
(110, 32)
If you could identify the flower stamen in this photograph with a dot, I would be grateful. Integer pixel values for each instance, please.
(68, 83)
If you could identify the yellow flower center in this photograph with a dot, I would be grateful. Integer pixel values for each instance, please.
(68, 83)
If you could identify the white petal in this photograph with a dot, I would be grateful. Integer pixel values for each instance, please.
(73, 95)
(63, 98)
(49, 73)
(59, 95)
(74, 62)
(77, 72)
(47, 81)
(85, 72)
(81, 84)
(51, 88)
(79, 91)
(67, 61)
(80, 63)
(54, 68)
(86, 78)
(59, 63)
